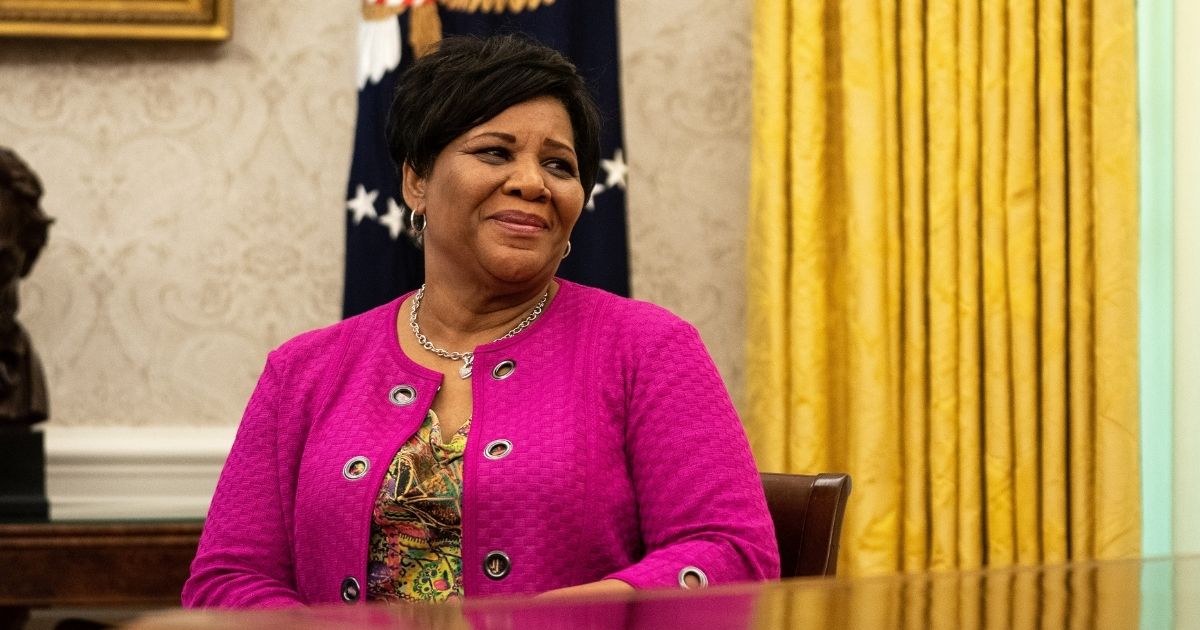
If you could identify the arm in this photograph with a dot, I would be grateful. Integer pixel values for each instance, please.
(602, 587)
(245, 557)
(699, 496)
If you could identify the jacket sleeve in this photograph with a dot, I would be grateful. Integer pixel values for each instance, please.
(699, 496)
(245, 559)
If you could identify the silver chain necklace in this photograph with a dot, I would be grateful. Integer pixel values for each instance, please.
(467, 358)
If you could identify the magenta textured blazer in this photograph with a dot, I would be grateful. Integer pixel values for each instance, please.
(627, 461)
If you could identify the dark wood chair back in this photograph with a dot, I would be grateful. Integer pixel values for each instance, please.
(807, 511)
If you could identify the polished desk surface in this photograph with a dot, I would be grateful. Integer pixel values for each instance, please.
(1152, 593)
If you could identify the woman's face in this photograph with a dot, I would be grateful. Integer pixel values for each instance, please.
(501, 199)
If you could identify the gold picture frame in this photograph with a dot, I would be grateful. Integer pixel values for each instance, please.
(205, 20)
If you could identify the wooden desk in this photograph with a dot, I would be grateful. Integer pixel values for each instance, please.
(92, 565)
(1117, 594)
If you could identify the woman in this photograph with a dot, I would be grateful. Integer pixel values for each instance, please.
(499, 430)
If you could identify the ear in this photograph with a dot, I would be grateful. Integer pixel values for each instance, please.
(413, 189)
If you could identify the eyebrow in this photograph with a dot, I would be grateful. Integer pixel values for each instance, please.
(508, 137)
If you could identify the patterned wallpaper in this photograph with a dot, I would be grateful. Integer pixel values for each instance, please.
(686, 73)
(198, 191)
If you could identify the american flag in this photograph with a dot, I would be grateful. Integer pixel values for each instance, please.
(381, 260)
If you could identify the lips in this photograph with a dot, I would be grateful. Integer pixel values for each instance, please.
(522, 221)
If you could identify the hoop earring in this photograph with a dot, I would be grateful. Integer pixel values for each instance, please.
(412, 220)
(568, 252)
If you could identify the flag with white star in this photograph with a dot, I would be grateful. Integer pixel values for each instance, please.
(381, 260)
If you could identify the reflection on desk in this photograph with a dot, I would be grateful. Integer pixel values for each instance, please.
(1112, 594)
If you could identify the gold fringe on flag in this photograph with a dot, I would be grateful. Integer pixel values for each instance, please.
(376, 12)
(425, 25)
(424, 28)
(494, 6)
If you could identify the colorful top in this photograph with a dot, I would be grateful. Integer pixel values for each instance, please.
(415, 552)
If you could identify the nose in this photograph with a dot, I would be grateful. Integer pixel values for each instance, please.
(526, 181)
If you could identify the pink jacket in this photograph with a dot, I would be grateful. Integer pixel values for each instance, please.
(627, 461)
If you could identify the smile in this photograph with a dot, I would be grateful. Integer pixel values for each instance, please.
(520, 221)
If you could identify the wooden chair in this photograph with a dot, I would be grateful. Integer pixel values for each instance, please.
(807, 511)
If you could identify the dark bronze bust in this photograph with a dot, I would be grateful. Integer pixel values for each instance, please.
(23, 230)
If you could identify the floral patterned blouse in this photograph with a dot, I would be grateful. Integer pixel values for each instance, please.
(415, 552)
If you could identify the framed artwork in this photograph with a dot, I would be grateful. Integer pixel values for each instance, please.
(210, 20)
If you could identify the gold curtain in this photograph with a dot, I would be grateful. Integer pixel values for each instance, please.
(942, 294)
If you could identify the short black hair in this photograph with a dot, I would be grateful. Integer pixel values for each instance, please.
(466, 81)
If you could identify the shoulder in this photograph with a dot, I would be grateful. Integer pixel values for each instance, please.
(622, 310)
(303, 371)
(631, 325)
(332, 343)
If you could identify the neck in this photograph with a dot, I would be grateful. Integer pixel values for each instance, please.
(460, 318)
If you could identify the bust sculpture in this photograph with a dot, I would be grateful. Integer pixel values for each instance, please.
(23, 230)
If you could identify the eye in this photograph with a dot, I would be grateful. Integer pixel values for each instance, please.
(560, 166)
(493, 154)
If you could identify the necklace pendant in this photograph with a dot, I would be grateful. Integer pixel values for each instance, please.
(464, 372)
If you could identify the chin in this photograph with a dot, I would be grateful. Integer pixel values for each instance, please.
(520, 267)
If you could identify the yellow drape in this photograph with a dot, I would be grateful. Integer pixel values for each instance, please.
(942, 276)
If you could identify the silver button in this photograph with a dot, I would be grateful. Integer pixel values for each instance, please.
(496, 565)
(497, 449)
(694, 572)
(504, 369)
(356, 467)
(402, 395)
(350, 590)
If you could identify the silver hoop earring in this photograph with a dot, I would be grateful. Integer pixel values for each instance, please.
(568, 252)
(412, 220)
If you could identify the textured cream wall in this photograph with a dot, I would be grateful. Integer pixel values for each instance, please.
(199, 193)
(686, 76)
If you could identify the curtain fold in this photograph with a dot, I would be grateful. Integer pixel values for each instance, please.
(942, 273)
